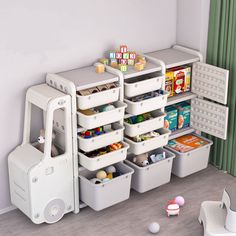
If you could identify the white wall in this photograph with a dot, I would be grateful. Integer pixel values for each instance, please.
(56, 35)
(192, 23)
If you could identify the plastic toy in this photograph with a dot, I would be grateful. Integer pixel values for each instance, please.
(95, 181)
(180, 201)
(88, 134)
(154, 228)
(41, 142)
(99, 130)
(115, 146)
(108, 107)
(141, 160)
(219, 217)
(157, 157)
(100, 68)
(101, 174)
(123, 67)
(105, 180)
(139, 66)
(110, 170)
(172, 209)
(104, 61)
(144, 137)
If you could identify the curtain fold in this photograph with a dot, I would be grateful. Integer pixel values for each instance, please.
(221, 51)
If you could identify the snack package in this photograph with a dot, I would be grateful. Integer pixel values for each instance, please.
(169, 83)
(170, 121)
(184, 110)
(187, 143)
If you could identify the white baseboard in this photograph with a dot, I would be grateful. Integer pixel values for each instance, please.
(7, 209)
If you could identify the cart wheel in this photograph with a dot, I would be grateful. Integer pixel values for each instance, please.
(54, 211)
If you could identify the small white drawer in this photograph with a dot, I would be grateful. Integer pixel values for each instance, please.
(97, 99)
(155, 123)
(148, 145)
(147, 105)
(102, 118)
(95, 163)
(143, 84)
(90, 144)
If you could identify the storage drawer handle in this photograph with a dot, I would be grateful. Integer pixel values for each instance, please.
(141, 104)
(162, 98)
(143, 144)
(157, 80)
(117, 132)
(138, 126)
(89, 98)
(148, 168)
(94, 117)
(93, 140)
(159, 119)
(98, 159)
(136, 85)
(114, 91)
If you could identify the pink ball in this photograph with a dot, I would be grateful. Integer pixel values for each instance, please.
(180, 200)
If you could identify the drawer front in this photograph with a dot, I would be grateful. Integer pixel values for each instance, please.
(140, 87)
(103, 118)
(90, 144)
(102, 161)
(144, 127)
(97, 99)
(151, 104)
(148, 145)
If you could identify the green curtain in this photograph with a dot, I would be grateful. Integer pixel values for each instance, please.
(221, 51)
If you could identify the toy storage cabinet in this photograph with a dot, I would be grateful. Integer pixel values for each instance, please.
(209, 116)
(98, 196)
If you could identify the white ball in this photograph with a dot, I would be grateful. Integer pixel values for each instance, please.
(154, 227)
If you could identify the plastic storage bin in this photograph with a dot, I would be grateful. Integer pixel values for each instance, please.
(95, 163)
(151, 144)
(114, 136)
(143, 84)
(156, 122)
(97, 99)
(153, 175)
(102, 118)
(147, 105)
(190, 162)
(100, 196)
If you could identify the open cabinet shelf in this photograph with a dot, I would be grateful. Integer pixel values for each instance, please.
(180, 98)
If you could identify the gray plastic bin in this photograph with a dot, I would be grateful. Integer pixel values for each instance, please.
(100, 196)
(153, 175)
(190, 162)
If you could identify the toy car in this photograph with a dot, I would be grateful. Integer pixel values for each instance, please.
(172, 209)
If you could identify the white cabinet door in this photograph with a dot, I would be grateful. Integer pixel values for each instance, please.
(210, 82)
(209, 117)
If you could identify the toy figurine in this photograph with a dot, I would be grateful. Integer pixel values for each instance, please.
(41, 142)
(141, 160)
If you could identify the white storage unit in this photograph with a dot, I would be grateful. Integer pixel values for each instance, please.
(100, 196)
(153, 175)
(209, 86)
(190, 162)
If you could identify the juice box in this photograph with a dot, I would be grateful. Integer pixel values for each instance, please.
(171, 118)
(169, 83)
(184, 110)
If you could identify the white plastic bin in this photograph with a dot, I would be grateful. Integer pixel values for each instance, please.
(147, 105)
(102, 118)
(143, 84)
(100, 196)
(156, 122)
(151, 144)
(114, 136)
(97, 99)
(95, 163)
(190, 162)
(153, 175)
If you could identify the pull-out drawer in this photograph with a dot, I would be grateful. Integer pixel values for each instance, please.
(153, 175)
(95, 163)
(156, 122)
(143, 84)
(151, 144)
(146, 105)
(100, 196)
(102, 118)
(98, 98)
(114, 135)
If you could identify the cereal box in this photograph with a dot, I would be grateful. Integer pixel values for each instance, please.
(184, 110)
(169, 83)
(170, 121)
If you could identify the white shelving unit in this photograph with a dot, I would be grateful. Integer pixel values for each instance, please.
(60, 94)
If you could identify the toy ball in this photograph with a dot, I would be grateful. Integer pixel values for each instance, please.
(111, 169)
(154, 228)
(108, 108)
(101, 174)
(95, 181)
(180, 200)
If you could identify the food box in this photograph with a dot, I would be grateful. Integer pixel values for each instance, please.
(187, 143)
(171, 119)
(169, 83)
(184, 109)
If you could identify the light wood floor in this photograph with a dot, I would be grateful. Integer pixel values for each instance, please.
(132, 216)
